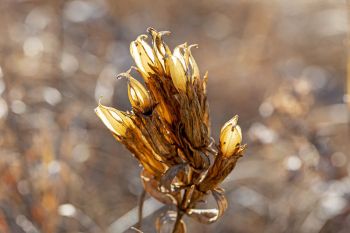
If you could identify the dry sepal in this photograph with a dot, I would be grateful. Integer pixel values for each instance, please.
(168, 129)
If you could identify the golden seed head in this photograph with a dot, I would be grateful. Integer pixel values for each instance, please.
(116, 121)
(171, 139)
(230, 137)
(139, 96)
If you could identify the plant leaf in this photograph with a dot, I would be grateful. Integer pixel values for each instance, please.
(221, 201)
(211, 215)
(151, 187)
(168, 180)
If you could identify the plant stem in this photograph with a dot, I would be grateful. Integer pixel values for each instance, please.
(178, 220)
(181, 209)
(347, 90)
(140, 210)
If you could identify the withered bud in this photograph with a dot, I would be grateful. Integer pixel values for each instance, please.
(116, 121)
(143, 56)
(230, 137)
(139, 96)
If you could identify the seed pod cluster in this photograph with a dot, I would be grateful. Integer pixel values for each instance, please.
(168, 128)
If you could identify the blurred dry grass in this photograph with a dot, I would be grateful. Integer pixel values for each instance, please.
(280, 65)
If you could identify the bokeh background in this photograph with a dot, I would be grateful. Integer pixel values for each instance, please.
(280, 65)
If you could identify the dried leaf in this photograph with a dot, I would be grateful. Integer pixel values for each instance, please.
(219, 196)
(211, 215)
(204, 215)
(151, 186)
(169, 181)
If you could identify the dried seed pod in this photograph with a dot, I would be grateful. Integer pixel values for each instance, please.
(230, 137)
(139, 97)
(177, 73)
(116, 121)
(179, 53)
(160, 49)
(143, 56)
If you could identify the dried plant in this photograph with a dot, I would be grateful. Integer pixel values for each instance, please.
(168, 131)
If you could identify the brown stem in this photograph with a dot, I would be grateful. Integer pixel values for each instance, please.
(181, 209)
(140, 210)
(178, 220)
(347, 90)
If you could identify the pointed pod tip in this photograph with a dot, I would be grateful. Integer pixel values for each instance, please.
(193, 46)
(99, 100)
(235, 120)
(150, 30)
(162, 33)
(125, 74)
(141, 37)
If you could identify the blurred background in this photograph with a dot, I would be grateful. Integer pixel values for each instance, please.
(280, 65)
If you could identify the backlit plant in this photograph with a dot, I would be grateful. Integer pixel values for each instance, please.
(168, 132)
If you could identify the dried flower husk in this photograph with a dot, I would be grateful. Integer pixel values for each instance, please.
(139, 97)
(143, 56)
(116, 121)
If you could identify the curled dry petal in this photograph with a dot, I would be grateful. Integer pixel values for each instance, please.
(230, 137)
(116, 121)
